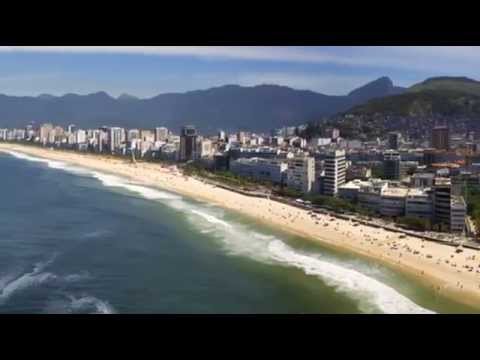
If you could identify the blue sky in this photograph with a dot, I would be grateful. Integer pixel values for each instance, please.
(149, 71)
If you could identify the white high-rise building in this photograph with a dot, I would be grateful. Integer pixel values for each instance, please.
(71, 138)
(221, 135)
(115, 138)
(80, 136)
(147, 135)
(45, 131)
(3, 134)
(71, 128)
(133, 134)
(301, 173)
(458, 212)
(161, 134)
(205, 148)
(242, 137)
(335, 172)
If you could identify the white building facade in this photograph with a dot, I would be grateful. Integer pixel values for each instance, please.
(335, 172)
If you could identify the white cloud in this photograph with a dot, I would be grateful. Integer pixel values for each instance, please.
(406, 64)
(227, 52)
(446, 59)
(430, 60)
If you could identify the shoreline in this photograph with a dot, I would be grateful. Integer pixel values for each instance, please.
(431, 263)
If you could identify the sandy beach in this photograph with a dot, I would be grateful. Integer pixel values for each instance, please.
(438, 266)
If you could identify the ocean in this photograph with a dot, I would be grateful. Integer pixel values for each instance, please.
(74, 240)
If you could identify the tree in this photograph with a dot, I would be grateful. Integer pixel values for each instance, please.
(377, 172)
(415, 223)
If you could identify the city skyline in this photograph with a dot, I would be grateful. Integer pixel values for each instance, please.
(148, 71)
(304, 165)
(240, 200)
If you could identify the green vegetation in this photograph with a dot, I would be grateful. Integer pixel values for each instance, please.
(287, 192)
(414, 223)
(443, 95)
(446, 101)
(224, 177)
(446, 96)
(472, 197)
(331, 202)
(193, 169)
(348, 130)
(337, 204)
(377, 172)
(459, 84)
(232, 179)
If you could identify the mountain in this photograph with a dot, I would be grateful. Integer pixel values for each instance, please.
(229, 107)
(449, 96)
(127, 97)
(458, 84)
(378, 88)
(45, 97)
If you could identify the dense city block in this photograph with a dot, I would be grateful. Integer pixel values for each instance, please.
(425, 183)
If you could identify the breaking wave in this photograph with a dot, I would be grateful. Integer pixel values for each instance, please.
(369, 290)
(147, 192)
(106, 179)
(87, 302)
(372, 295)
(76, 277)
(25, 281)
(83, 304)
(238, 239)
(11, 284)
(211, 219)
(96, 234)
(51, 163)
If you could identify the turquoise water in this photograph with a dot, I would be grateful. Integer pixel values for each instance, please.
(79, 241)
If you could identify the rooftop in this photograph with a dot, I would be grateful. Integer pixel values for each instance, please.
(442, 181)
(423, 175)
(458, 201)
(336, 153)
(446, 165)
(415, 192)
(358, 184)
(395, 192)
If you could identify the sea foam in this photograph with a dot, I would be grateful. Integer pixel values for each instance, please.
(106, 179)
(210, 218)
(87, 302)
(10, 285)
(50, 163)
(369, 290)
(146, 192)
(372, 294)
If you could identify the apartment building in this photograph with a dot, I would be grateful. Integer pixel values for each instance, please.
(273, 170)
(301, 173)
(335, 172)
(419, 204)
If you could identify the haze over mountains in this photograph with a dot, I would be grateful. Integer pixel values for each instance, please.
(229, 107)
